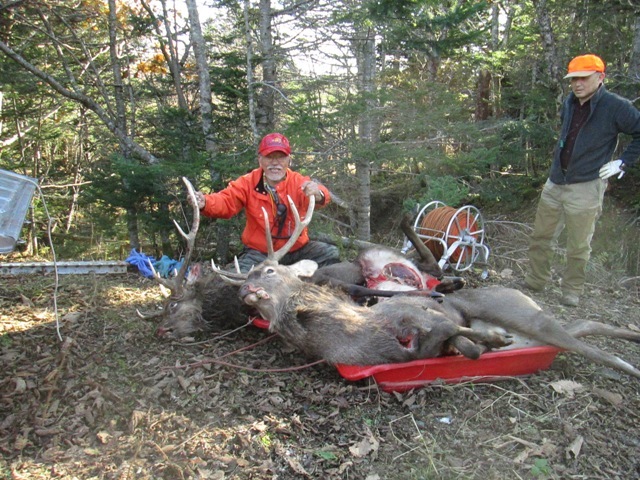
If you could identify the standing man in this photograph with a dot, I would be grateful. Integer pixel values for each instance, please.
(592, 118)
(268, 187)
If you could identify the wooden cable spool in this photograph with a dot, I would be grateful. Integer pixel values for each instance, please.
(444, 223)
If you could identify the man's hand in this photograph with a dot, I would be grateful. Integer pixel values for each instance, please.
(612, 168)
(312, 188)
(199, 200)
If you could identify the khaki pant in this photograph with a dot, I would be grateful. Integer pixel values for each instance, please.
(580, 205)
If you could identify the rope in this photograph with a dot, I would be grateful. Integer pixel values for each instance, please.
(56, 285)
(435, 225)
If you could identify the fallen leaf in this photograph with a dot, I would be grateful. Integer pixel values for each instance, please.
(73, 316)
(506, 273)
(103, 437)
(522, 456)
(575, 447)
(136, 417)
(611, 397)
(567, 387)
(365, 446)
(296, 466)
(409, 401)
(26, 301)
(21, 385)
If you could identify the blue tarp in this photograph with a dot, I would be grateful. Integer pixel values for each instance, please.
(166, 267)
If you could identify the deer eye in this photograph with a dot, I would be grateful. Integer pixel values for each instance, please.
(173, 305)
(269, 271)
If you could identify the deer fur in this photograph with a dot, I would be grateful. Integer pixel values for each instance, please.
(324, 324)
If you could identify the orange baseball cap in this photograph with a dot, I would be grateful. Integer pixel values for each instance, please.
(274, 142)
(585, 65)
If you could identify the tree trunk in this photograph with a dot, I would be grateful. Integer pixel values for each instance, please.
(549, 47)
(366, 60)
(634, 64)
(250, 79)
(265, 111)
(132, 228)
(204, 82)
(121, 119)
(483, 96)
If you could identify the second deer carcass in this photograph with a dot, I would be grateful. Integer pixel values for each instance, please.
(379, 268)
(328, 325)
(199, 301)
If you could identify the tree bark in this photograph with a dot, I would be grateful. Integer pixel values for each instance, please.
(634, 64)
(549, 46)
(204, 82)
(265, 111)
(365, 49)
(250, 79)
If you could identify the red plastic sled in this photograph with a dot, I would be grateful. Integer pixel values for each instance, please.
(492, 366)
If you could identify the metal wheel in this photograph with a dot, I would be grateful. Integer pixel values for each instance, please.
(466, 232)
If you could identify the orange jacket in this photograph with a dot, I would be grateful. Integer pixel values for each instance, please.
(249, 192)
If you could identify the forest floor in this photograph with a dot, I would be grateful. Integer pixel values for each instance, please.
(111, 401)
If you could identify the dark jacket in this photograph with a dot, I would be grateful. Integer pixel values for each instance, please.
(610, 115)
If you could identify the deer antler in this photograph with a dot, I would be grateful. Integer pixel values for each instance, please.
(175, 284)
(423, 251)
(297, 231)
(233, 278)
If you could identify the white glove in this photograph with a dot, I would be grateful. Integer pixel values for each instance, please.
(612, 168)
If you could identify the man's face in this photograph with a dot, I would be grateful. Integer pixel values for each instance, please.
(274, 166)
(584, 87)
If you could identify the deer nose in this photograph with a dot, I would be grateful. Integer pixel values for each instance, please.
(246, 289)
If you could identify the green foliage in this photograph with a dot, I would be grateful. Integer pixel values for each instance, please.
(430, 144)
(327, 456)
(541, 468)
(446, 189)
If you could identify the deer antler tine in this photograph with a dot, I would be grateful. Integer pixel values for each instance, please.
(236, 264)
(267, 233)
(227, 274)
(170, 284)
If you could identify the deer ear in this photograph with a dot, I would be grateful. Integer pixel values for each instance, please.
(304, 268)
(194, 273)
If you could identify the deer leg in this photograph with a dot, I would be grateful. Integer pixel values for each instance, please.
(544, 328)
(517, 313)
(493, 338)
(586, 328)
(450, 284)
(467, 347)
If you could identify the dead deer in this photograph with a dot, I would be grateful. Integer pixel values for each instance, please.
(382, 271)
(199, 301)
(325, 324)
